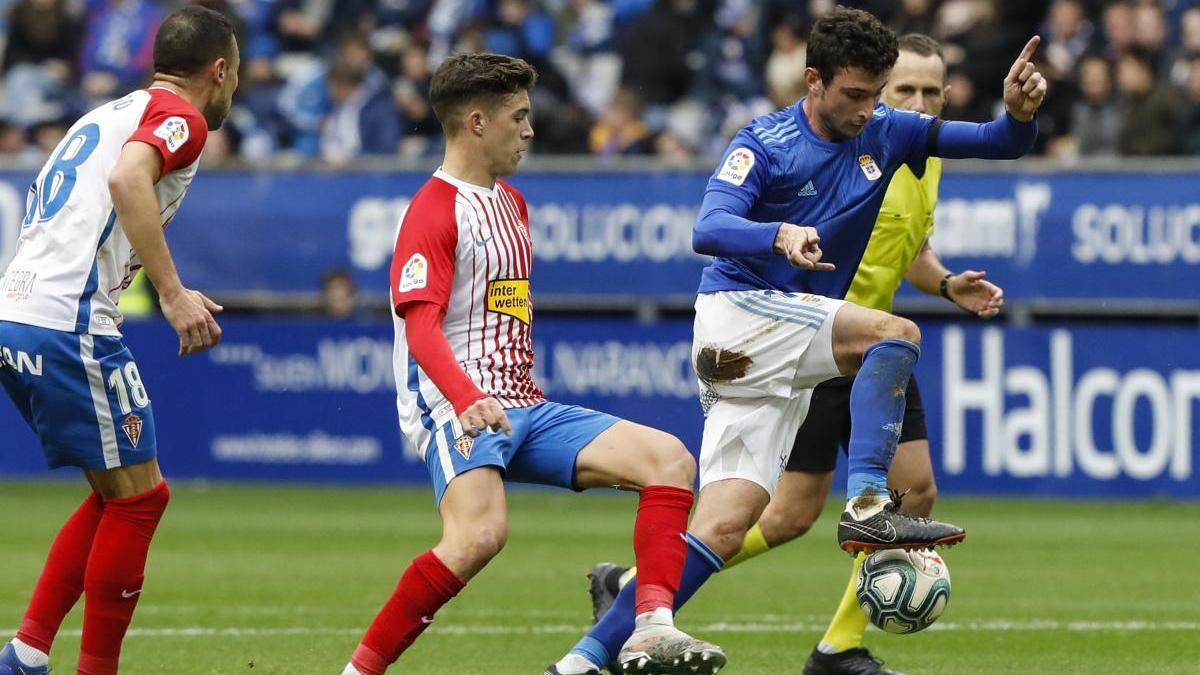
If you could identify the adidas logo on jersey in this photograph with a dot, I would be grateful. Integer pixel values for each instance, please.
(809, 190)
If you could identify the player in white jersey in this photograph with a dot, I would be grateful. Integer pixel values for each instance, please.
(463, 310)
(96, 214)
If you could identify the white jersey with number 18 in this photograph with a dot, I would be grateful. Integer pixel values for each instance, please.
(73, 258)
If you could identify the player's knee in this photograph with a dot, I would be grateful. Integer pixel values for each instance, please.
(724, 536)
(670, 463)
(783, 524)
(892, 327)
(483, 542)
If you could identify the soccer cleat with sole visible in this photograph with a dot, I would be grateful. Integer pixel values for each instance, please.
(850, 662)
(11, 665)
(604, 583)
(876, 523)
(657, 648)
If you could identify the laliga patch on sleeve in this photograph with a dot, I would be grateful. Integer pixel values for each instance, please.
(737, 166)
(415, 273)
(173, 130)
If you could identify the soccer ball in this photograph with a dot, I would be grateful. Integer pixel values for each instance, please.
(903, 591)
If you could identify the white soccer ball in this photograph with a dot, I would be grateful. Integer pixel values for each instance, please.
(903, 591)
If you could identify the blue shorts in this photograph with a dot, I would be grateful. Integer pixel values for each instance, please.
(81, 394)
(546, 439)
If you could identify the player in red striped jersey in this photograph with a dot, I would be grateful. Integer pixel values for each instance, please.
(460, 287)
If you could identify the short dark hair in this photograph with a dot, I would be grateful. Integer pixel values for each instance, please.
(190, 39)
(921, 45)
(464, 79)
(850, 38)
(1144, 57)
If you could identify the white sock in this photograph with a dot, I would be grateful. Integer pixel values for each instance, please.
(574, 664)
(863, 506)
(659, 616)
(351, 670)
(30, 656)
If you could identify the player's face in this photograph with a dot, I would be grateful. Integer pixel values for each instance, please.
(222, 99)
(917, 83)
(507, 134)
(844, 106)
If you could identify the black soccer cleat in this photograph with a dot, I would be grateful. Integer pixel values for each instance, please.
(850, 662)
(604, 583)
(873, 523)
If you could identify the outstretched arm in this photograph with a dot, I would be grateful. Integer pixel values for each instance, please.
(1008, 137)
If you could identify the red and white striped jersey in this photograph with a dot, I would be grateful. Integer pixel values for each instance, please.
(466, 248)
(73, 258)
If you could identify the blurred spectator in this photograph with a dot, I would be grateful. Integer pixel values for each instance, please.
(43, 33)
(1150, 33)
(590, 61)
(422, 131)
(47, 135)
(620, 130)
(1096, 116)
(914, 16)
(785, 66)
(961, 101)
(303, 104)
(1066, 35)
(339, 294)
(1189, 126)
(732, 57)
(1150, 115)
(655, 49)
(1189, 46)
(12, 138)
(119, 48)
(364, 119)
(521, 29)
(1120, 30)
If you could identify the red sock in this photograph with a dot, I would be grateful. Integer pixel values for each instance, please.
(61, 582)
(659, 545)
(424, 587)
(113, 582)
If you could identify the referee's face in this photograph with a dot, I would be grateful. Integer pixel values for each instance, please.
(843, 106)
(917, 83)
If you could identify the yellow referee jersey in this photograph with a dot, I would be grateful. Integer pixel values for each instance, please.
(905, 221)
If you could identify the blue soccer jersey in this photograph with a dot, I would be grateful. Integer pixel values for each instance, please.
(778, 170)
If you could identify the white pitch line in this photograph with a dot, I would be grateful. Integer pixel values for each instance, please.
(723, 627)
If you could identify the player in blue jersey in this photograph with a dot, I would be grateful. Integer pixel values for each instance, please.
(770, 324)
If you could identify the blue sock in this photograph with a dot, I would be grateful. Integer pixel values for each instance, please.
(604, 640)
(876, 413)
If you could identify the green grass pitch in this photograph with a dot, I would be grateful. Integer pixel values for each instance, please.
(282, 581)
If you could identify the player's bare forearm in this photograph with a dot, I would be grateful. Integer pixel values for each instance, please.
(927, 271)
(131, 185)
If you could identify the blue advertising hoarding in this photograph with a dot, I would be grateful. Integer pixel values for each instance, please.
(1049, 411)
(1082, 236)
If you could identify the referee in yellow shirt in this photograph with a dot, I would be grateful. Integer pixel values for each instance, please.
(899, 248)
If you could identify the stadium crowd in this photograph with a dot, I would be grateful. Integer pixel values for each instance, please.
(336, 80)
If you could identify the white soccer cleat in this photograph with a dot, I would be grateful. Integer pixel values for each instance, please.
(657, 647)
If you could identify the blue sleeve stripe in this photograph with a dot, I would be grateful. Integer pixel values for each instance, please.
(776, 131)
(784, 139)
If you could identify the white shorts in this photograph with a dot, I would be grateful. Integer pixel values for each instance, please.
(758, 355)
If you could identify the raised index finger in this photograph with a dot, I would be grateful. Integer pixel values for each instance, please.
(1026, 54)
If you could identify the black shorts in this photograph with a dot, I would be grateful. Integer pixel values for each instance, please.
(826, 430)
